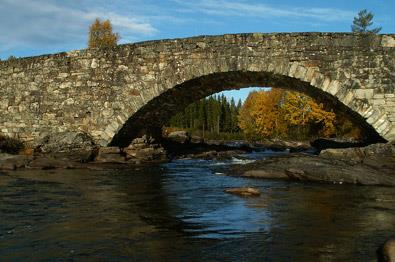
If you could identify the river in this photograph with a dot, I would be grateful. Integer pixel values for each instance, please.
(179, 212)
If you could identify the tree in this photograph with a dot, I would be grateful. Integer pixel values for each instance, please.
(101, 35)
(261, 114)
(363, 21)
(278, 113)
(300, 110)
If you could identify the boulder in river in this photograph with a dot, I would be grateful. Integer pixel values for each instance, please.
(109, 155)
(143, 150)
(243, 191)
(73, 146)
(179, 136)
(12, 162)
(47, 162)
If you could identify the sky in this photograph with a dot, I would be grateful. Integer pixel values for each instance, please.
(35, 27)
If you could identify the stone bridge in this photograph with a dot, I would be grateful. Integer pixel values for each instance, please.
(118, 94)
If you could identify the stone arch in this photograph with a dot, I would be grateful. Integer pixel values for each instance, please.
(295, 76)
(105, 92)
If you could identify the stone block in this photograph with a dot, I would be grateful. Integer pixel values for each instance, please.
(364, 93)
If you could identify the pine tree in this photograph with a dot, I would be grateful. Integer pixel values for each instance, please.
(363, 21)
(214, 114)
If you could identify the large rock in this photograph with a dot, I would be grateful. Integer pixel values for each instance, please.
(277, 144)
(180, 137)
(360, 153)
(12, 162)
(44, 162)
(351, 154)
(321, 169)
(259, 173)
(74, 146)
(144, 150)
(110, 155)
(244, 191)
(217, 155)
(143, 155)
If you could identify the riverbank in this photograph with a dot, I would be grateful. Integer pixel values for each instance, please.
(370, 165)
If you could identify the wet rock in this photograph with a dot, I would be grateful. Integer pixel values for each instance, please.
(277, 144)
(147, 154)
(44, 162)
(180, 137)
(265, 174)
(217, 155)
(295, 174)
(314, 168)
(12, 162)
(325, 143)
(379, 153)
(243, 191)
(386, 252)
(110, 155)
(196, 139)
(352, 154)
(75, 146)
(144, 150)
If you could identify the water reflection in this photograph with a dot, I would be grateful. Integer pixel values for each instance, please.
(179, 212)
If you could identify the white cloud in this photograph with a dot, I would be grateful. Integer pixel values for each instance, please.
(41, 24)
(55, 25)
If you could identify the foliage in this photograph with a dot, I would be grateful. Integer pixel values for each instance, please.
(363, 21)
(212, 115)
(264, 114)
(10, 145)
(281, 114)
(261, 114)
(101, 35)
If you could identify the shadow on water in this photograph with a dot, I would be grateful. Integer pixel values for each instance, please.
(179, 212)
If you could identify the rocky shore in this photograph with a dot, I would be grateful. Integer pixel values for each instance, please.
(370, 165)
(77, 150)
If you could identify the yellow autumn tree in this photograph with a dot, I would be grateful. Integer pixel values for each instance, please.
(301, 110)
(260, 114)
(319, 115)
(101, 35)
(246, 120)
(277, 112)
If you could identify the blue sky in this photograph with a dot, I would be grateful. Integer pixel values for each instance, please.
(34, 27)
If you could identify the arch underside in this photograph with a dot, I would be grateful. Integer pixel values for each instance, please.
(152, 116)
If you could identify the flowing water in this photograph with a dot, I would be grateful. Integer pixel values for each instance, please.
(179, 212)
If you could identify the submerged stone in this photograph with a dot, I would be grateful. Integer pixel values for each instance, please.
(243, 191)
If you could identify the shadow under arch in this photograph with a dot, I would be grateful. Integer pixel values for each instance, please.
(151, 117)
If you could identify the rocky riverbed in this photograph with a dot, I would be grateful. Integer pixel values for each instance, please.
(76, 150)
(370, 165)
